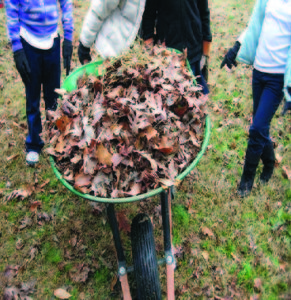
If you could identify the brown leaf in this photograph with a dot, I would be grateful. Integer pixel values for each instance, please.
(286, 172)
(255, 297)
(62, 294)
(167, 182)
(135, 189)
(11, 293)
(34, 206)
(103, 155)
(205, 255)
(179, 251)
(12, 157)
(19, 194)
(63, 122)
(235, 258)
(61, 145)
(82, 180)
(165, 146)
(79, 273)
(258, 284)
(26, 222)
(11, 272)
(123, 222)
(207, 231)
(116, 159)
(150, 133)
(100, 184)
(44, 183)
(33, 252)
(19, 244)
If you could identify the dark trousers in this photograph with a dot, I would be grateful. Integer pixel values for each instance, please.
(267, 96)
(199, 77)
(45, 68)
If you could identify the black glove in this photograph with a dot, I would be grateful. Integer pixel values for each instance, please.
(230, 56)
(67, 55)
(22, 65)
(83, 53)
(204, 67)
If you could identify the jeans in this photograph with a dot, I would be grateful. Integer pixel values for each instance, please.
(199, 78)
(267, 96)
(45, 68)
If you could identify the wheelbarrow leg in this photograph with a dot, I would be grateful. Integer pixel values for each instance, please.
(166, 197)
(120, 254)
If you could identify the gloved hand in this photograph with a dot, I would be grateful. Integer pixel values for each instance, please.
(287, 106)
(67, 55)
(230, 56)
(204, 66)
(22, 65)
(84, 54)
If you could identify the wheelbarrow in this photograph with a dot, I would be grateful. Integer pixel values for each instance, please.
(145, 262)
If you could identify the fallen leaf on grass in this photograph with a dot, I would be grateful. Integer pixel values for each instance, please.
(178, 251)
(235, 258)
(286, 172)
(44, 183)
(79, 273)
(11, 272)
(43, 216)
(62, 294)
(258, 284)
(207, 231)
(19, 194)
(123, 222)
(34, 206)
(11, 293)
(26, 222)
(19, 244)
(33, 253)
(205, 255)
(255, 297)
(12, 157)
(278, 158)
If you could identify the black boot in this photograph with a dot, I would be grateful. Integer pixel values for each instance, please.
(268, 158)
(249, 173)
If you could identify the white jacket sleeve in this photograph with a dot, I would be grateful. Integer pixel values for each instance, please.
(97, 14)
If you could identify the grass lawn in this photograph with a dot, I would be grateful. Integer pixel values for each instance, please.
(227, 248)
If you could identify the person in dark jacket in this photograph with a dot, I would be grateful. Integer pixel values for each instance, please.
(181, 24)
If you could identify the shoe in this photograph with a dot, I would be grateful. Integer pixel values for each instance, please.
(245, 186)
(268, 158)
(32, 158)
(249, 173)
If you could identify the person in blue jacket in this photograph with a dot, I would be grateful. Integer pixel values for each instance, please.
(33, 32)
(265, 44)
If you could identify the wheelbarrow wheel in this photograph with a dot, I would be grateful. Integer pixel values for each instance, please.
(145, 259)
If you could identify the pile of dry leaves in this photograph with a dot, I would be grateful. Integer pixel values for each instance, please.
(132, 129)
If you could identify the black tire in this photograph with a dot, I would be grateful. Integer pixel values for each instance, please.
(145, 259)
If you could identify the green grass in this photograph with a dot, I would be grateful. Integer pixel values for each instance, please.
(251, 238)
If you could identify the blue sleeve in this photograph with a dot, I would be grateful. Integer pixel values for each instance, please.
(13, 25)
(67, 18)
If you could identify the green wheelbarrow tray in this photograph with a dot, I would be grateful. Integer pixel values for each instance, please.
(69, 85)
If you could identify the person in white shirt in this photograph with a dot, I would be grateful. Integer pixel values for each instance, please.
(266, 44)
